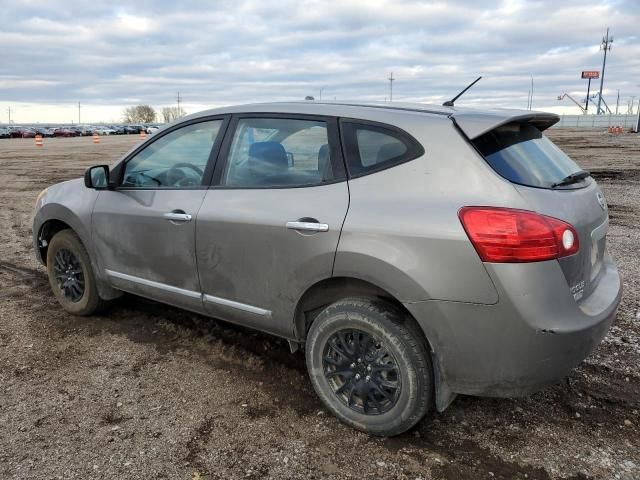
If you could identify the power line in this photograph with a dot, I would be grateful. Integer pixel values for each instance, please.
(606, 46)
(391, 79)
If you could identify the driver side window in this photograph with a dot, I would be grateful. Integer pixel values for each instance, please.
(176, 160)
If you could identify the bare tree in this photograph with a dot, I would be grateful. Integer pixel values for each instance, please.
(169, 114)
(139, 114)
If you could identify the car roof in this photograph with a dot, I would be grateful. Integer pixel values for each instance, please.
(473, 122)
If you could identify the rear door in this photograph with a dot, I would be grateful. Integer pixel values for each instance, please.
(144, 230)
(535, 166)
(269, 226)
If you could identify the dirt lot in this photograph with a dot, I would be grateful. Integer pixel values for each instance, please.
(147, 391)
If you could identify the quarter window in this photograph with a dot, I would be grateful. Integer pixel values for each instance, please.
(278, 152)
(373, 147)
(176, 160)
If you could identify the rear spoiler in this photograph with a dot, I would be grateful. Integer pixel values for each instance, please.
(474, 124)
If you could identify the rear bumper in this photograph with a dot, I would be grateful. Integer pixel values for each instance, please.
(533, 336)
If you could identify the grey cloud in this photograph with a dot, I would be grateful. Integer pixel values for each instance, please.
(238, 51)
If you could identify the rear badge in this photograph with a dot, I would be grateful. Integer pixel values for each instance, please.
(578, 290)
(601, 200)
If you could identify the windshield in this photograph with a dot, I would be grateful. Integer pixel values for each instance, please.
(522, 154)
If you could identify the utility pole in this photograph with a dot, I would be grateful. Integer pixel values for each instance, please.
(617, 101)
(321, 88)
(9, 110)
(531, 99)
(606, 46)
(391, 79)
(78, 113)
(630, 107)
(179, 99)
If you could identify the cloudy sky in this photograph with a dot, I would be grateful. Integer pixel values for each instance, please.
(112, 54)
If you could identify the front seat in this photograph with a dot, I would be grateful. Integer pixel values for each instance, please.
(267, 161)
(325, 169)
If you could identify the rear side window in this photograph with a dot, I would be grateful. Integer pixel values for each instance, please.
(522, 154)
(279, 152)
(373, 147)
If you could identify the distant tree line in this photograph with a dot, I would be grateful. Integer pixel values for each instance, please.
(147, 114)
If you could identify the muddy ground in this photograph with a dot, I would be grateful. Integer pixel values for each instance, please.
(147, 391)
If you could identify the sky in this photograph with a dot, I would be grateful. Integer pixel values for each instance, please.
(109, 55)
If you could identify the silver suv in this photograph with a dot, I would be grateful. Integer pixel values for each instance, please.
(415, 252)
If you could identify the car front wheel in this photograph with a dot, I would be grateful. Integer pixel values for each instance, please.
(369, 367)
(71, 276)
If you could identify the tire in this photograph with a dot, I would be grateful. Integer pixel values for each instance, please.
(366, 393)
(81, 298)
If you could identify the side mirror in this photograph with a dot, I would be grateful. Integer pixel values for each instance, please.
(97, 177)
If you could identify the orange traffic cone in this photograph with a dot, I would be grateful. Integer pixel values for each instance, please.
(143, 135)
(39, 141)
(96, 138)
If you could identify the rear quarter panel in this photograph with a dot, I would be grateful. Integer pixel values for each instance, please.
(402, 230)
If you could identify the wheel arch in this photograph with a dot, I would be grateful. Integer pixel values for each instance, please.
(44, 235)
(330, 290)
(53, 218)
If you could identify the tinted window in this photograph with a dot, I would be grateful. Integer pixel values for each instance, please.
(371, 147)
(523, 155)
(175, 160)
(275, 152)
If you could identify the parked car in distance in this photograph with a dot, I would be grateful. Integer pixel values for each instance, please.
(18, 132)
(103, 130)
(415, 252)
(44, 132)
(151, 129)
(133, 129)
(64, 132)
(4, 133)
(28, 133)
(117, 129)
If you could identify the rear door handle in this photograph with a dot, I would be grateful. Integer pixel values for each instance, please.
(177, 216)
(308, 226)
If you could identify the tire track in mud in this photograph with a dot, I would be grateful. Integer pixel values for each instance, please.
(253, 355)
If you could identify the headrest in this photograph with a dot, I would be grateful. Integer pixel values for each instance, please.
(323, 157)
(272, 154)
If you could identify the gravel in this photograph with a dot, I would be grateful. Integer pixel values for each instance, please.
(149, 391)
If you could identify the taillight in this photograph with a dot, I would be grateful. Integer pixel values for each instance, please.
(508, 235)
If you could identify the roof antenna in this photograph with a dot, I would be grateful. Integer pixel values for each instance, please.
(449, 103)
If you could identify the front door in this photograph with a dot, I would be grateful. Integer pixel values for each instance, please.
(144, 231)
(269, 227)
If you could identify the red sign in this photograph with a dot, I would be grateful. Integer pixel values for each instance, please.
(590, 74)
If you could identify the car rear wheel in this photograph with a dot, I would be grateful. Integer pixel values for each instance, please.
(369, 367)
(71, 276)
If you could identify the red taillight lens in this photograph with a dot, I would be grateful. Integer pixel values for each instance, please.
(507, 235)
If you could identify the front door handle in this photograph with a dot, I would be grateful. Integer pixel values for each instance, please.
(177, 216)
(308, 226)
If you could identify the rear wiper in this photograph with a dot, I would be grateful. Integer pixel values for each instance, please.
(573, 178)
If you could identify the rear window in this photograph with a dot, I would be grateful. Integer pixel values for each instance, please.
(522, 154)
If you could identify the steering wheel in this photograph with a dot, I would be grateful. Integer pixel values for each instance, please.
(175, 176)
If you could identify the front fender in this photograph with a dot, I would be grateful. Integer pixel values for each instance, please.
(71, 203)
